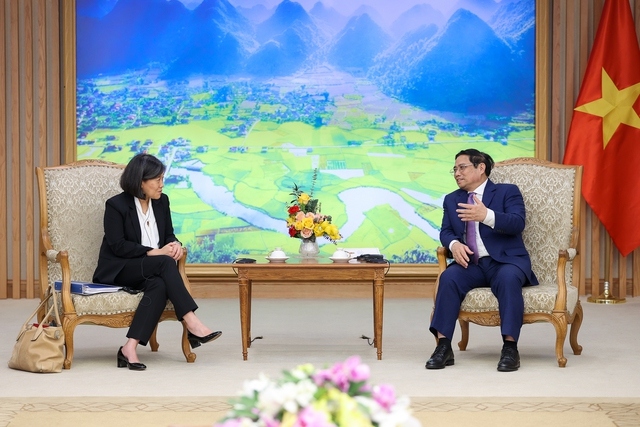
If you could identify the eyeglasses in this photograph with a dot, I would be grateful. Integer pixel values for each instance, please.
(460, 167)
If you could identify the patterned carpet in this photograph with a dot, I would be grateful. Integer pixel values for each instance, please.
(600, 388)
(204, 411)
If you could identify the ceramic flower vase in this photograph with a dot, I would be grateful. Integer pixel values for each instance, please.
(308, 248)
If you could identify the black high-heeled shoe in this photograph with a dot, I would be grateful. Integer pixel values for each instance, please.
(123, 362)
(196, 341)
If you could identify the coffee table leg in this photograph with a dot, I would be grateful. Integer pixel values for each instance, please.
(244, 286)
(375, 315)
(378, 301)
(249, 293)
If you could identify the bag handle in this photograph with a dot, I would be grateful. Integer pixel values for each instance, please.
(53, 295)
(54, 308)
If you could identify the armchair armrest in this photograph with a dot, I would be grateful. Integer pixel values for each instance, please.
(182, 262)
(62, 257)
(442, 254)
(52, 255)
(564, 256)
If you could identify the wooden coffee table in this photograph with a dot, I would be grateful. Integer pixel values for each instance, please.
(321, 268)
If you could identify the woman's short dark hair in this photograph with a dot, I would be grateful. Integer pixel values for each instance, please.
(141, 168)
(476, 157)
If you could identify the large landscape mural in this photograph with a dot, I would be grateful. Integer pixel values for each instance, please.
(242, 99)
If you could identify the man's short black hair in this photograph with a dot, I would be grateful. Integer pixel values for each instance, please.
(141, 168)
(476, 157)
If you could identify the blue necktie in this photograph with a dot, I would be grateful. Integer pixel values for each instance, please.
(471, 233)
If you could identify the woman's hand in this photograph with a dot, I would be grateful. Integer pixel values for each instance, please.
(172, 249)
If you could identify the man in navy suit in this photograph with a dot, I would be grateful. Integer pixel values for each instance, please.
(490, 221)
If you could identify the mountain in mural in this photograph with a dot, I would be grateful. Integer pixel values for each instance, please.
(515, 22)
(390, 66)
(217, 40)
(415, 17)
(132, 35)
(327, 18)
(382, 21)
(288, 38)
(484, 9)
(256, 14)
(464, 68)
(358, 43)
(284, 17)
(465, 64)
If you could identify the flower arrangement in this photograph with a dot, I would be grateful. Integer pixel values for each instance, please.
(305, 220)
(305, 397)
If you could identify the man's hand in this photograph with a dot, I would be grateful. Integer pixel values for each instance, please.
(461, 253)
(472, 212)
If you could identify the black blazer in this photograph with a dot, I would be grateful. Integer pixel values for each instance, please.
(123, 236)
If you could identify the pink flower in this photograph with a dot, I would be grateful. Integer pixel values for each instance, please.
(306, 233)
(355, 370)
(270, 422)
(385, 395)
(343, 374)
(300, 216)
(309, 417)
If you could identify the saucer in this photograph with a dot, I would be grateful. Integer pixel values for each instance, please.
(277, 259)
(340, 260)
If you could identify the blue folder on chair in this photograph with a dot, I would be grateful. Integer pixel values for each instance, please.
(87, 288)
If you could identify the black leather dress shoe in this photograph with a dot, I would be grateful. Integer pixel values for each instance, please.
(196, 341)
(441, 357)
(123, 362)
(509, 360)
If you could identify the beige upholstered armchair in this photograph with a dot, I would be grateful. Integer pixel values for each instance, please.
(552, 201)
(72, 202)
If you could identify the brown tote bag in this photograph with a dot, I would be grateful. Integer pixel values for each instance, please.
(40, 347)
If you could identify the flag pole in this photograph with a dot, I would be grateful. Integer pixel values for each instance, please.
(606, 297)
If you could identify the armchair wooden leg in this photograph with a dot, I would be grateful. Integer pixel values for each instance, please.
(575, 327)
(68, 327)
(561, 334)
(464, 328)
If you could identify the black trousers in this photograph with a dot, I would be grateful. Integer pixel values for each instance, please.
(160, 280)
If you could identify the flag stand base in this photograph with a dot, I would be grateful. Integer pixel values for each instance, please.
(606, 297)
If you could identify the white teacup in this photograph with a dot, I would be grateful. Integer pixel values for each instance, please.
(341, 254)
(277, 253)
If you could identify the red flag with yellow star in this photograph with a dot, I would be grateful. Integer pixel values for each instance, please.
(604, 135)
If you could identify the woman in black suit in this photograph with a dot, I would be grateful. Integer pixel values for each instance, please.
(139, 250)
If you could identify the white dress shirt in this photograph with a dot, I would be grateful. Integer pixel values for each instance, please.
(148, 225)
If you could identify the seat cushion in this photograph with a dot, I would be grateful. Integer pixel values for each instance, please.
(537, 299)
(108, 303)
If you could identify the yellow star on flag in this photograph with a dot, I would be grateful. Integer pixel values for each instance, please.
(615, 107)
